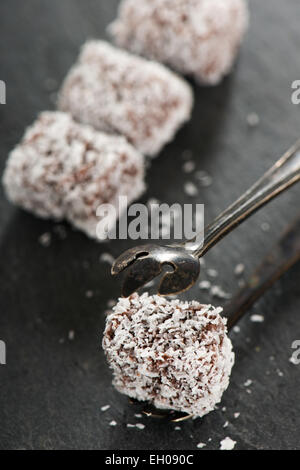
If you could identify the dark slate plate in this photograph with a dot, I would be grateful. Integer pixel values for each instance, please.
(52, 389)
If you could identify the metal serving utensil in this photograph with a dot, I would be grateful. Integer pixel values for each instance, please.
(145, 262)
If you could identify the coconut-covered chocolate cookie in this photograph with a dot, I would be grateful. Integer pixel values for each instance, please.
(174, 354)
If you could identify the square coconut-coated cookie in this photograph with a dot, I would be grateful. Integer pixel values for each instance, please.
(65, 170)
(200, 38)
(119, 93)
(174, 354)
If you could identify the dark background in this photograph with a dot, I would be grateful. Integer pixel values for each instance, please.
(52, 389)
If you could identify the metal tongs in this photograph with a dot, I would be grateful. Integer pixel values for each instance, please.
(146, 262)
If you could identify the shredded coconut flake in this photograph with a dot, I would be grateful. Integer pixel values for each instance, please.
(265, 227)
(253, 120)
(201, 445)
(105, 407)
(45, 239)
(248, 383)
(212, 273)
(189, 166)
(257, 318)
(71, 335)
(203, 178)
(239, 269)
(106, 258)
(140, 426)
(205, 285)
(227, 444)
(217, 291)
(190, 189)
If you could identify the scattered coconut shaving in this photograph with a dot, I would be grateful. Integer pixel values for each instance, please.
(105, 407)
(189, 166)
(45, 239)
(201, 445)
(239, 269)
(257, 318)
(227, 444)
(190, 189)
(106, 258)
(71, 335)
(253, 120)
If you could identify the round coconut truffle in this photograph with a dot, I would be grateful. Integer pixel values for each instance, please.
(174, 354)
(195, 37)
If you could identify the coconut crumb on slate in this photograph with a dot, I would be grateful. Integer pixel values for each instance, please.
(45, 239)
(239, 269)
(265, 227)
(71, 335)
(257, 318)
(140, 426)
(212, 273)
(195, 37)
(217, 291)
(190, 189)
(189, 166)
(205, 285)
(120, 93)
(227, 444)
(105, 407)
(201, 445)
(174, 354)
(63, 170)
(106, 258)
(113, 423)
(253, 120)
(203, 178)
